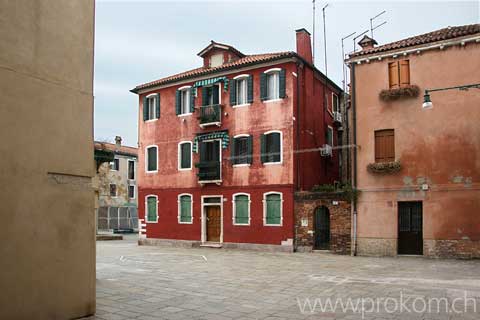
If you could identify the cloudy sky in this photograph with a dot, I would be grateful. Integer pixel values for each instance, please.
(140, 41)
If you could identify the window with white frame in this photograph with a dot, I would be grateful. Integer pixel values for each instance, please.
(151, 209)
(241, 209)
(115, 164)
(335, 103)
(185, 101)
(131, 191)
(131, 169)
(241, 91)
(151, 159)
(151, 107)
(273, 85)
(185, 204)
(272, 209)
(113, 190)
(271, 147)
(329, 136)
(185, 155)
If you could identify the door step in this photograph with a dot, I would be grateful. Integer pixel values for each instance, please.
(211, 245)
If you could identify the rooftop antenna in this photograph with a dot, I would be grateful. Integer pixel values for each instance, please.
(355, 39)
(371, 23)
(313, 18)
(343, 60)
(325, 38)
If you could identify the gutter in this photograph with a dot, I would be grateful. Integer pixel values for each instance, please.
(354, 186)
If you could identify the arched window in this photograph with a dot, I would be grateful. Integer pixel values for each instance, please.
(151, 208)
(241, 209)
(272, 209)
(185, 206)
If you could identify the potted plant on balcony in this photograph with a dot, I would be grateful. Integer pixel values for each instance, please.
(384, 167)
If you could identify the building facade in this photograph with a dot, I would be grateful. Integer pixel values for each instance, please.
(117, 187)
(220, 146)
(418, 169)
(46, 124)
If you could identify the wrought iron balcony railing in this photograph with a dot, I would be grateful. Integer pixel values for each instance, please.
(210, 115)
(209, 172)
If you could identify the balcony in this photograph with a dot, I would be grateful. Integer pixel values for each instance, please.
(210, 115)
(209, 172)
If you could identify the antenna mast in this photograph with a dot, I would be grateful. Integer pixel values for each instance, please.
(325, 38)
(371, 23)
(313, 18)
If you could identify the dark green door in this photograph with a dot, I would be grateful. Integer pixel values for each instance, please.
(322, 228)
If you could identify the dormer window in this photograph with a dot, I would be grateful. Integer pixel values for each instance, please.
(216, 60)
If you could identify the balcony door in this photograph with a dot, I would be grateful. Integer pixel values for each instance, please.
(211, 95)
(210, 163)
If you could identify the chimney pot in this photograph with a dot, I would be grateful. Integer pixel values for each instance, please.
(367, 43)
(118, 141)
(304, 45)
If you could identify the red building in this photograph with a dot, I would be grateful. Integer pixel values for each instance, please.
(226, 145)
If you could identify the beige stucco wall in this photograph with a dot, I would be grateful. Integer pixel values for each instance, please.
(439, 147)
(47, 243)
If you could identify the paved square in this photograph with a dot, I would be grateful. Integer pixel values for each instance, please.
(171, 283)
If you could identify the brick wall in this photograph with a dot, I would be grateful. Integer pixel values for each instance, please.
(340, 220)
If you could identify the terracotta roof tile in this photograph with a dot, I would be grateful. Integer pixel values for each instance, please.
(434, 36)
(113, 147)
(247, 60)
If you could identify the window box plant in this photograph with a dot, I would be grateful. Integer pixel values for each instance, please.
(384, 167)
(410, 91)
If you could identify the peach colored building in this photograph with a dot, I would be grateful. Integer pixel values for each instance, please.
(417, 169)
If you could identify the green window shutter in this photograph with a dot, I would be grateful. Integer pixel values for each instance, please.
(250, 89)
(241, 209)
(203, 152)
(263, 86)
(233, 92)
(145, 109)
(216, 92)
(185, 209)
(192, 100)
(178, 102)
(233, 156)
(151, 209)
(157, 106)
(185, 154)
(263, 148)
(276, 147)
(273, 209)
(282, 84)
(250, 149)
(205, 96)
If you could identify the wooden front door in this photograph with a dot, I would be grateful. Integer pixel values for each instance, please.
(213, 223)
(410, 230)
(322, 228)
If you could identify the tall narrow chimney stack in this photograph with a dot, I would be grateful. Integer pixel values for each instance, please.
(304, 45)
(118, 141)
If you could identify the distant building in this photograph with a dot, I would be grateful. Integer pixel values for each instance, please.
(417, 169)
(224, 147)
(116, 184)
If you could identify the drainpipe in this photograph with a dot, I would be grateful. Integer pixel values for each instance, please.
(297, 144)
(354, 182)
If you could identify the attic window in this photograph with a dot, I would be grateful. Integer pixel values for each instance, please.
(216, 60)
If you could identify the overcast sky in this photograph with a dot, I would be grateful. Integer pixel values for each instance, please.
(140, 41)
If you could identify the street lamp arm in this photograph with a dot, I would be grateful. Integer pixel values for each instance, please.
(464, 87)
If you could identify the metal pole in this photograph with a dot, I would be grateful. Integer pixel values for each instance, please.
(371, 22)
(325, 38)
(313, 18)
(343, 61)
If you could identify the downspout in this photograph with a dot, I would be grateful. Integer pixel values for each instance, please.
(297, 144)
(354, 186)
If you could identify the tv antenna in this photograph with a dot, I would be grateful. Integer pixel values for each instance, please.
(371, 23)
(355, 38)
(343, 60)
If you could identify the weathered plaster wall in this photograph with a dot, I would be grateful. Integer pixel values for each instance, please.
(106, 176)
(46, 123)
(439, 147)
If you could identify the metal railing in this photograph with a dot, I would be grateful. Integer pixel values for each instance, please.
(211, 114)
(209, 171)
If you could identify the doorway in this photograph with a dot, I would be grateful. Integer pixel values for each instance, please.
(212, 219)
(410, 228)
(322, 228)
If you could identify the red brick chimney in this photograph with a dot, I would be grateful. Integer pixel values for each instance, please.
(367, 43)
(304, 45)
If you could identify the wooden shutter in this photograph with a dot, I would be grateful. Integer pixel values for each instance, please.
(216, 94)
(192, 100)
(233, 92)
(263, 86)
(385, 145)
(393, 76)
(273, 209)
(151, 209)
(205, 101)
(241, 209)
(276, 148)
(404, 73)
(263, 148)
(178, 101)
(250, 149)
(250, 89)
(157, 106)
(233, 155)
(145, 108)
(282, 77)
(185, 209)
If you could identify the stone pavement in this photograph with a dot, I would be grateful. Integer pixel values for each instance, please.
(176, 283)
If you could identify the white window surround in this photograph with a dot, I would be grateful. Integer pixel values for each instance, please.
(281, 148)
(155, 96)
(234, 209)
(330, 128)
(188, 113)
(146, 208)
(241, 76)
(272, 70)
(146, 158)
(338, 101)
(277, 71)
(179, 207)
(180, 153)
(265, 209)
(112, 164)
(134, 169)
(134, 191)
(242, 135)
